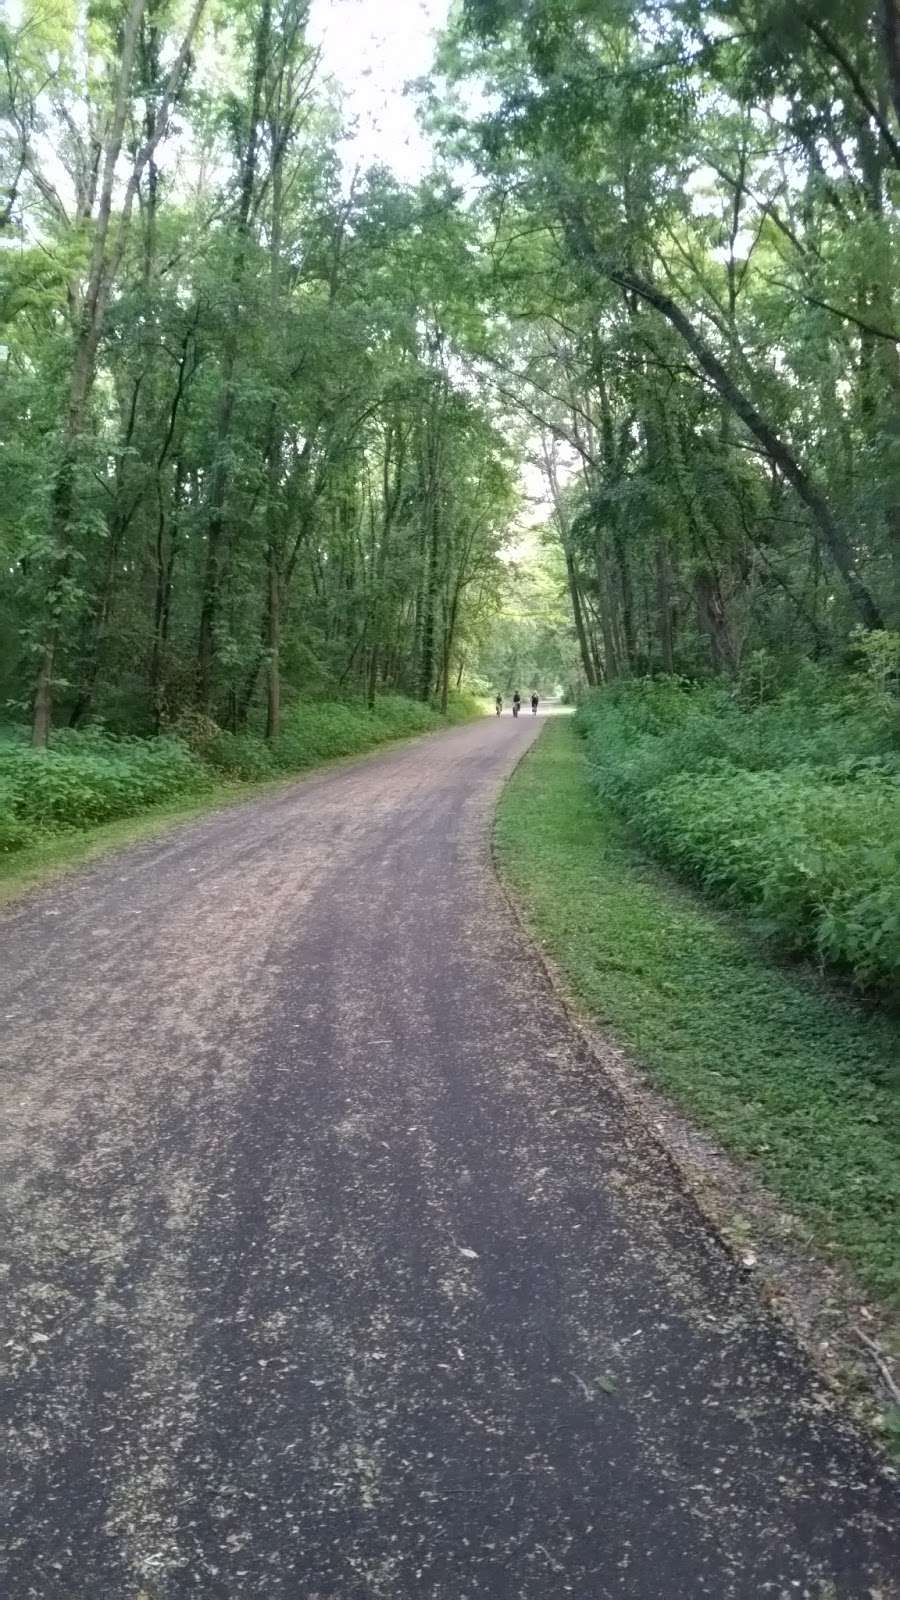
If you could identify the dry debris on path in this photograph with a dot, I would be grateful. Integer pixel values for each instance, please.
(335, 1270)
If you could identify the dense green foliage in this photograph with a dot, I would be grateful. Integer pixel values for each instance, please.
(91, 779)
(238, 451)
(260, 423)
(694, 262)
(82, 779)
(784, 1073)
(790, 807)
(691, 221)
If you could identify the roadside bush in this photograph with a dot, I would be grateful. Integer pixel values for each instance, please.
(397, 717)
(790, 809)
(89, 777)
(94, 778)
(14, 835)
(321, 730)
(240, 755)
(463, 706)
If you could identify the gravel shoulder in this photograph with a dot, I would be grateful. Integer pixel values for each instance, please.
(335, 1270)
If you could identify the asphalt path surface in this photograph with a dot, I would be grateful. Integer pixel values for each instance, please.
(334, 1268)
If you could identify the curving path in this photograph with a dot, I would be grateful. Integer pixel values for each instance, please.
(334, 1268)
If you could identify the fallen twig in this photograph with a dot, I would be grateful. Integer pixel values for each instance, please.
(880, 1363)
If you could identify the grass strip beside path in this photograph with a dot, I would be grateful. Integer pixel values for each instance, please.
(783, 1071)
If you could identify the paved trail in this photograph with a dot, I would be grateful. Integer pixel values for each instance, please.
(336, 1272)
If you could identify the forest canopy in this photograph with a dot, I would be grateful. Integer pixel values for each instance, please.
(690, 214)
(263, 427)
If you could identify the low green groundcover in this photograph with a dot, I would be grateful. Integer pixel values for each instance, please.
(85, 779)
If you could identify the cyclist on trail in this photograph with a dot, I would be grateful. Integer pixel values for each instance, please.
(498, 704)
(534, 705)
(517, 701)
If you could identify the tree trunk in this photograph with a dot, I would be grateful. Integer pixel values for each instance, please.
(80, 384)
(611, 663)
(445, 678)
(449, 637)
(273, 645)
(578, 614)
(394, 457)
(165, 571)
(626, 594)
(664, 608)
(43, 694)
(429, 597)
(890, 36)
(431, 576)
(713, 618)
(571, 572)
(372, 675)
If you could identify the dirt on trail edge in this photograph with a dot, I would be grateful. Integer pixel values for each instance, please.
(846, 1334)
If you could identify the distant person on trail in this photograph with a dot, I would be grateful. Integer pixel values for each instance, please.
(498, 704)
(534, 705)
(517, 701)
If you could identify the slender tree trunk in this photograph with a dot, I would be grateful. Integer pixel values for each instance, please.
(431, 576)
(81, 382)
(626, 593)
(664, 608)
(43, 693)
(271, 630)
(890, 34)
(449, 638)
(372, 675)
(599, 672)
(165, 573)
(562, 523)
(611, 662)
(578, 614)
(273, 646)
(393, 458)
(426, 675)
(445, 676)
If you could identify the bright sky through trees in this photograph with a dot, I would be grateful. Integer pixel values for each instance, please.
(373, 48)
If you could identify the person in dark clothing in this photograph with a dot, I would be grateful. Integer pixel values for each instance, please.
(534, 705)
(517, 701)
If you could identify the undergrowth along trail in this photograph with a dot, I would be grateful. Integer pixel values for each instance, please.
(93, 790)
(786, 804)
(785, 1073)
